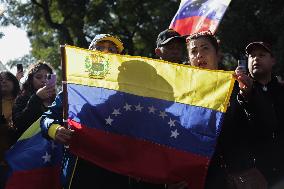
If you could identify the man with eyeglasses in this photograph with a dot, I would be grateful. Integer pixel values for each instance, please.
(77, 172)
(107, 43)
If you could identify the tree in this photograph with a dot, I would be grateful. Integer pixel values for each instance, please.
(25, 61)
(1, 12)
(53, 22)
(248, 20)
(137, 22)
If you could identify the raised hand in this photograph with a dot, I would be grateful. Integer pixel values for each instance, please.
(63, 135)
(46, 92)
(245, 82)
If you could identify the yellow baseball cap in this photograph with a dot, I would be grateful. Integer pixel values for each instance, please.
(107, 37)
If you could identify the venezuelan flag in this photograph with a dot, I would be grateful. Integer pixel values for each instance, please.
(198, 15)
(145, 118)
(34, 161)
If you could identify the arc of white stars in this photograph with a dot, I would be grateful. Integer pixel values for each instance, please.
(116, 112)
(127, 107)
(152, 109)
(172, 123)
(163, 114)
(174, 134)
(109, 120)
(46, 158)
(139, 108)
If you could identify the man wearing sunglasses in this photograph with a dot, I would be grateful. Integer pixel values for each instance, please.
(77, 172)
(106, 43)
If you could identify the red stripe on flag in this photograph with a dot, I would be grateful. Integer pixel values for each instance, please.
(194, 24)
(44, 178)
(138, 158)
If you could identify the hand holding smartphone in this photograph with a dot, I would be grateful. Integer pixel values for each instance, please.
(242, 65)
(20, 72)
(51, 80)
(19, 68)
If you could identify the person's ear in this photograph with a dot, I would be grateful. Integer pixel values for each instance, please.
(158, 52)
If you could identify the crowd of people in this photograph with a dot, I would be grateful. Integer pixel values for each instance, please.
(249, 149)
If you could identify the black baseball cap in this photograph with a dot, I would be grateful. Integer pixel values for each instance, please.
(255, 44)
(166, 36)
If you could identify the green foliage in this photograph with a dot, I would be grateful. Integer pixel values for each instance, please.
(26, 61)
(51, 23)
(137, 22)
(248, 20)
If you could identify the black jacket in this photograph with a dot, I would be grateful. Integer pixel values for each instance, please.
(265, 133)
(26, 110)
(229, 151)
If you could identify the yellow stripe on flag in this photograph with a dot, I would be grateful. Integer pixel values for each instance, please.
(32, 130)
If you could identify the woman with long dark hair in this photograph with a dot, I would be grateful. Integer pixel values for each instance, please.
(9, 90)
(35, 97)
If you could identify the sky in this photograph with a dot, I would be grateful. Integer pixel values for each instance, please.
(14, 44)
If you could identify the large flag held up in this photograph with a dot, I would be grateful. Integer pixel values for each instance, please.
(198, 15)
(34, 161)
(145, 118)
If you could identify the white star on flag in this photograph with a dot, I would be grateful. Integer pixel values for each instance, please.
(116, 112)
(172, 123)
(163, 114)
(174, 133)
(152, 109)
(109, 120)
(127, 107)
(46, 158)
(138, 108)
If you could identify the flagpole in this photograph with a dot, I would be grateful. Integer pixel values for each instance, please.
(2, 119)
(64, 85)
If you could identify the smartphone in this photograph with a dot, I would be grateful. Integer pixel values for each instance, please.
(19, 68)
(242, 64)
(51, 80)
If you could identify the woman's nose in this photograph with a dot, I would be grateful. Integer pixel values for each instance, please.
(199, 54)
(44, 81)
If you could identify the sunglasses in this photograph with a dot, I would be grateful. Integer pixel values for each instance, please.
(109, 49)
